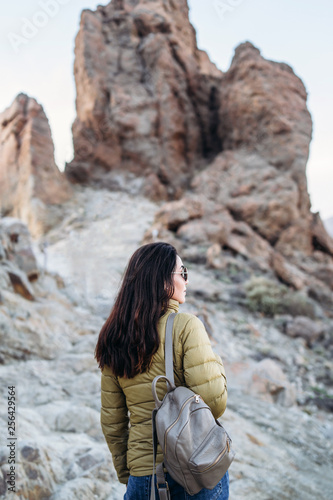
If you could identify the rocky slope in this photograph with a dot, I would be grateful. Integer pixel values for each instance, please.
(279, 379)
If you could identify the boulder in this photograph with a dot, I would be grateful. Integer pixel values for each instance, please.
(27, 332)
(34, 478)
(18, 246)
(172, 215)
(215, 257)
(286, 272)
(78, 419)
(19, 280)
(306, 328)
(221, 228)
(268, 381)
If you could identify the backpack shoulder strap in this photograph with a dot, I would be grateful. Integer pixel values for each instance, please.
(164, 493)
(168, 350)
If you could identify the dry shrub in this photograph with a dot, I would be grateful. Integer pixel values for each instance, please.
(271, 298)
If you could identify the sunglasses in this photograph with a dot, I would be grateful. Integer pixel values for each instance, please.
(184, 273)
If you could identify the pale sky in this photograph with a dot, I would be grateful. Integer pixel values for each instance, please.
(37, 54)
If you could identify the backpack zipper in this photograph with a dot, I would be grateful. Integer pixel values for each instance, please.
(227, 447)
(169, 429)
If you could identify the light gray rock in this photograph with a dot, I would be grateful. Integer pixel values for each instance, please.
(28, 333)
(19, 280)
(19, 250)
(81, 489)
(274, 456)
(304, 327)
(5, 283)
(78, 419)
(269, 382)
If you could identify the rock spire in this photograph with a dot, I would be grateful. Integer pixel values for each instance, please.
(31, 186)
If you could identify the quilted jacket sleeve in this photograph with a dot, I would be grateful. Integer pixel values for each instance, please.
(203, 369)
(114, 422)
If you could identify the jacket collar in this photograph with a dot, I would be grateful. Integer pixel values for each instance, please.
(173, 305)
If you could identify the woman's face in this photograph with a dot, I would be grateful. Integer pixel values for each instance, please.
(179, 283)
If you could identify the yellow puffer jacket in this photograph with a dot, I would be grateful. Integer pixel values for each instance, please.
(130, 401)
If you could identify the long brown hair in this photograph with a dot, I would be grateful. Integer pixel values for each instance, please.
(129, 337)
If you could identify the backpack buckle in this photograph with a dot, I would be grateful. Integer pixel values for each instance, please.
(161, 485)
(164, 493)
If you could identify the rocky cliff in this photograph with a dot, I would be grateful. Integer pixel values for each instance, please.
(31, 186)
(148, 103)
(252, 199)
(233, 146)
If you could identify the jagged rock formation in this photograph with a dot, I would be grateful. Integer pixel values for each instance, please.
(236, 143)
(31, 186)
(252, 199)
(263, 110)
(147, 98)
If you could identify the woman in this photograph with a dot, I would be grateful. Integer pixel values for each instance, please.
(130, 353)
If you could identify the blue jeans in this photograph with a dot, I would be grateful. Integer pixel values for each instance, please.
(138, 488)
